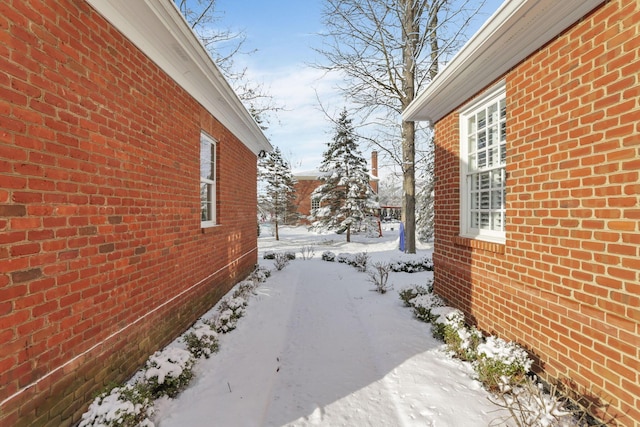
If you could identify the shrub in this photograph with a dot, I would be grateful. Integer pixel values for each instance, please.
(308, 252)
(245, 288)
(530, 405)
(379, 277)
(412, 265)
(328, 256)
(499, 360)
(360, 261)
(344, 258)
(450, 327)
(423, 304)
(230, 309)
(169, 371)
(269, 255)
(202, 340)
(410, 292)
(127, 406)
(280, 261)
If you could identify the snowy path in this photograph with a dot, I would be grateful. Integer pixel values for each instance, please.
(317, 347)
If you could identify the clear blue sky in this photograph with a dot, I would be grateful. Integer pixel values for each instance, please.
(283, 32)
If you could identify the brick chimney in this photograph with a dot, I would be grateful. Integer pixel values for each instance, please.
(374, 171)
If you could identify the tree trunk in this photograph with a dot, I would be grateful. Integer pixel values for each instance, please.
(276, 223)
(410, 33)
(348, 233)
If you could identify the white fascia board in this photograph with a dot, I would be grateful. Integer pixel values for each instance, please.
(515, 31)
(160, 31)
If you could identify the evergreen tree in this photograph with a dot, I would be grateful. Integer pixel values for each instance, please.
(425, 209)
(278, 194)
(345, 196)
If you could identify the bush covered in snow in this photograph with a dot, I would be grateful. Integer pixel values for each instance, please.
(498, 359)
(308, 252)
(127, 406)
(328, 256)
(359, 260)
(202, 340)
(424, 304)
(530, 405)
(379, 275)
(460, 340)
(412, 264)
(169, 371)
(230, 310)
(410, 292)
(272, 255)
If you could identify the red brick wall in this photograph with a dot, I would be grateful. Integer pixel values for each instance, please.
(102, 258)
(304, 188)
(567, 283)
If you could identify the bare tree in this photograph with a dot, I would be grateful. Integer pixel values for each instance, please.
(224, 45)
(387, 50)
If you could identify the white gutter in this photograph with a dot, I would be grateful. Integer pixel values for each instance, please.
(160, 31)
(515, 31)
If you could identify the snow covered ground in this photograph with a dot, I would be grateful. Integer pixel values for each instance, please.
(318, 347)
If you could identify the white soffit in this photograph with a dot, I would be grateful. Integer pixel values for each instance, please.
(515, 31)
(159, 30)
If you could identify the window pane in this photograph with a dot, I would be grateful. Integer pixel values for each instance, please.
(484, 221)
(496, 200)
(482, 119)
(482, 140)
(503, 109)
(493, 114)
(205, 202)
(482, 159)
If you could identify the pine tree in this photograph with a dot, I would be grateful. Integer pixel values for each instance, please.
(278, 194)
(345, 196)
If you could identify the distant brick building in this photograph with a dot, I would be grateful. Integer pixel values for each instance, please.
(537, 215)
(127, 196)
(307, 182)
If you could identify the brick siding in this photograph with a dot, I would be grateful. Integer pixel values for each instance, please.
(566, 285)
(102, 257)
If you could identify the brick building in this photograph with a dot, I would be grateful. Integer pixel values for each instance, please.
(308, 181)
(127, 196)
(537, 234)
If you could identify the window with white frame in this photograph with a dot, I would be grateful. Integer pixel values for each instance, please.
(483, 138)
(207, 180)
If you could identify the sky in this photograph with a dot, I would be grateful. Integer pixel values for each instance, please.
(283, 33)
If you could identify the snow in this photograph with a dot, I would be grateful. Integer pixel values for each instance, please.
(317, 347)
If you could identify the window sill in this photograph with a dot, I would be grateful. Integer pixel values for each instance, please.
(476, 243)
(206, 229)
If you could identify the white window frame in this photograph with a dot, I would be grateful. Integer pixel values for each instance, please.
(208, 182)
(487, 166)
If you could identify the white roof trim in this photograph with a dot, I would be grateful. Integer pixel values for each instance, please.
(160, 31)
(515, 31)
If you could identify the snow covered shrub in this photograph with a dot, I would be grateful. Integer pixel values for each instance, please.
(410, 292)
(360, 261)
(231, 309)
(412, 265)
(379, 276)
(127, 406)
(308, 252)
(260, 274)
(169, 371)
(501, 361)
(245, 288)
(423, 304)
(328, 256)
(280, 261)
(202, 340)
(529, 405)
(449, 325)
(344, 258)
(290, 255)
(269, 255)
